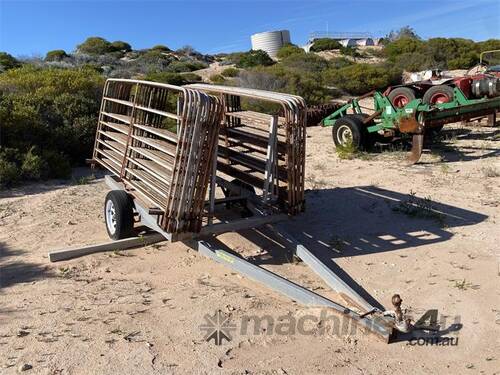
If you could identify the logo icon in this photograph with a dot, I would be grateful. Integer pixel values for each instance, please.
(217, 327)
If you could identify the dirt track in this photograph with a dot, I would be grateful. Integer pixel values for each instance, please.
(139, 311)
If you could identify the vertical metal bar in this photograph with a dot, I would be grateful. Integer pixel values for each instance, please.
(269, 173)
(213, 178)
(130, 131)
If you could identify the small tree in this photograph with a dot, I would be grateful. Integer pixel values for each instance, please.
(161, 48)
(250, 59)
(350, 51)
(404, 32)
(230, 72)
(325, 44)
(95, 46)
(121, 46)
(56, 55)
(167, 77)
(7, 61)
(290, 49)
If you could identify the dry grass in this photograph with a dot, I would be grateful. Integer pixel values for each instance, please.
(490, 171)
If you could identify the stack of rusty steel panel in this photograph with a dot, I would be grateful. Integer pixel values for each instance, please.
(264, 150)
(160, 140)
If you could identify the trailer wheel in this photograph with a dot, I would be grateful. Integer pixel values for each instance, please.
(438, 94)
(119, 214)
(401, 96)
(350, 130)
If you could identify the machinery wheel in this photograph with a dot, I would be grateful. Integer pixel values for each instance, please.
(350, 130)
(438, 94)
(119, 214)
(401, 96)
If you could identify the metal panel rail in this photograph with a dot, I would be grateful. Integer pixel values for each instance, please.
(159, 140)
(266, 151)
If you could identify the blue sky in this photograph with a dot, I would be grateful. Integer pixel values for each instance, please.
(35, 27)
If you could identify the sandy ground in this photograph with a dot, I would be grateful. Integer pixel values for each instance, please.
(139, 311)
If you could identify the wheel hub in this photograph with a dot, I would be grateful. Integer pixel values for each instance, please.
(110, 216)
(344, 135)
(440, 98)
(400, 101)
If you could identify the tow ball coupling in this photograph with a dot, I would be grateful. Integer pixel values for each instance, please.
(400, 322)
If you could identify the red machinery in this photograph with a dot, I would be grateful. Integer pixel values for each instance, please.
(438, 89)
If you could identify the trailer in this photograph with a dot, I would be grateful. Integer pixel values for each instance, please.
(353, 127)
(248, 172)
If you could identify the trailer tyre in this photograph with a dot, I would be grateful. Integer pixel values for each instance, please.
(438, 94)
(350, 130)
(119, 214)
(401, 96)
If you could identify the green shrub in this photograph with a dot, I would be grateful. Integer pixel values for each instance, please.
(33, 166)
(56, 55)
(161, 47)
(191, 77)
(305, 63)
(446, 53)
(186, 66)
(290, 49)
(217, 78)
(167, 77)
(464, 61)
(280, 78)
(358, 79)
(325, 44)
(350, 51)
(121, 46)
(54, 110)
(95, 46)
(8, 62)
(339, 62)
(230, 72)
(9, 173)
(404, 32)
(414, 62)
(155, 57)
(461, 51)
(250, 59)
(403, 45)
(58, 165)
(488, 45)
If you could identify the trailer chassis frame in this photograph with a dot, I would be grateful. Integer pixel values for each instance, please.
(367, 317)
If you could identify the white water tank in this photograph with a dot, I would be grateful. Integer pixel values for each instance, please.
(270, 41)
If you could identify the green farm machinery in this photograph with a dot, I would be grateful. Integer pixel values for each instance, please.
(351, 126)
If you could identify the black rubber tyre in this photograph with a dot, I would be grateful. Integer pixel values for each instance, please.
(438, 94)
(350, 128)
(401, 96)
(369, 138)
(119, 215)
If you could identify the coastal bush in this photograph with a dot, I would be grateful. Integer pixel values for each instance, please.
(325, 44)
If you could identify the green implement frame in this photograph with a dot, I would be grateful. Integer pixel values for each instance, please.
(416, 116)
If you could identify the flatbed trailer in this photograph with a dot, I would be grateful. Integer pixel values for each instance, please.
(353, 126)
(254, 178)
